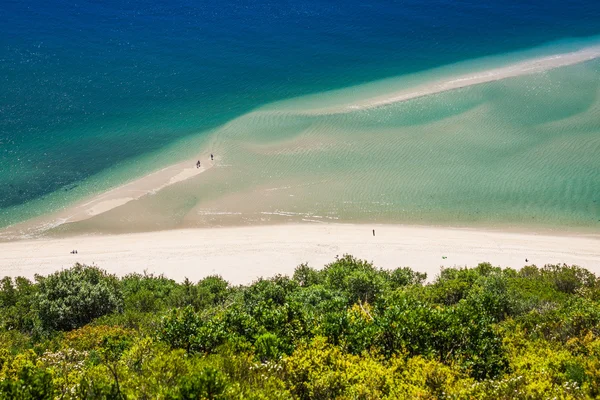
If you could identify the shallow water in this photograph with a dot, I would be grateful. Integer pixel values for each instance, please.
(93, 95)
(521, 152)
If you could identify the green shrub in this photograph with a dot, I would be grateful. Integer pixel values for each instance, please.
(306, 276)
(207, 384)
(17, 304)
(405, 276)
(148, 293)
(22, 378)
(73, 297)
(268, 347)
(349, 331)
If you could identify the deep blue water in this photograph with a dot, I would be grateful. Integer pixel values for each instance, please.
(85, 85)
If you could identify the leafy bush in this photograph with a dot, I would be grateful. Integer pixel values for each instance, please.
(17, 300)
(306, 276)
(148, 293)
(349, 331)
(74, 297)
(212, 290)
(406, 277)
(268, 347)
(22, 378)
(357, 279)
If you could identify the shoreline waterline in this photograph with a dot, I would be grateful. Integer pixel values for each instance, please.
(152, 183)
(106, 201)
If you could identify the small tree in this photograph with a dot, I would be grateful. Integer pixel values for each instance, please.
(212, 290)
(306, 276)
(406, 276)
(267, 347)
(73, 297)
(16, 304)
(179, 328)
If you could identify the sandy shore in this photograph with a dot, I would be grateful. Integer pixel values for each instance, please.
(98, 204)
(182, 171)
(243, 254)
(148, 184)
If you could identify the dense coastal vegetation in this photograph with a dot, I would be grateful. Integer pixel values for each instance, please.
(348, 331)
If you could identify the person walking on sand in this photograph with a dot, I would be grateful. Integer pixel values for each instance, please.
(198, 164)
(211, 157)
(373, 232)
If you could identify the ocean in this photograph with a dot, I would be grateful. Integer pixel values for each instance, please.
(93, 95)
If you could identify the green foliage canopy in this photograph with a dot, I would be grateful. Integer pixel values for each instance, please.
(347, 331)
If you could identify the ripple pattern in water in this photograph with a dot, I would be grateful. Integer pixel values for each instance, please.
(523, 152)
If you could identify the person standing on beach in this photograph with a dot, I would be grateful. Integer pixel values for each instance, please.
(211, 157)
(198, 164)
(373, 232)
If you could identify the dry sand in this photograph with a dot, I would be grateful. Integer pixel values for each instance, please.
(243, 254)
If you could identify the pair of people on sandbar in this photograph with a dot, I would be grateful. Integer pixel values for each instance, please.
(198, 162)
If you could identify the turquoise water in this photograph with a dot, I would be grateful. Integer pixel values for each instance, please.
(519, 153)
(93, 95)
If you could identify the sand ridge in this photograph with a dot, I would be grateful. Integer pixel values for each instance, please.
(146, 185)
(535, 65)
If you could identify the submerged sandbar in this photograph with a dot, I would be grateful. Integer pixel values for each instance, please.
(157, 181)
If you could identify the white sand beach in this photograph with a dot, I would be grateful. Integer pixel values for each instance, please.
(243, 254)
